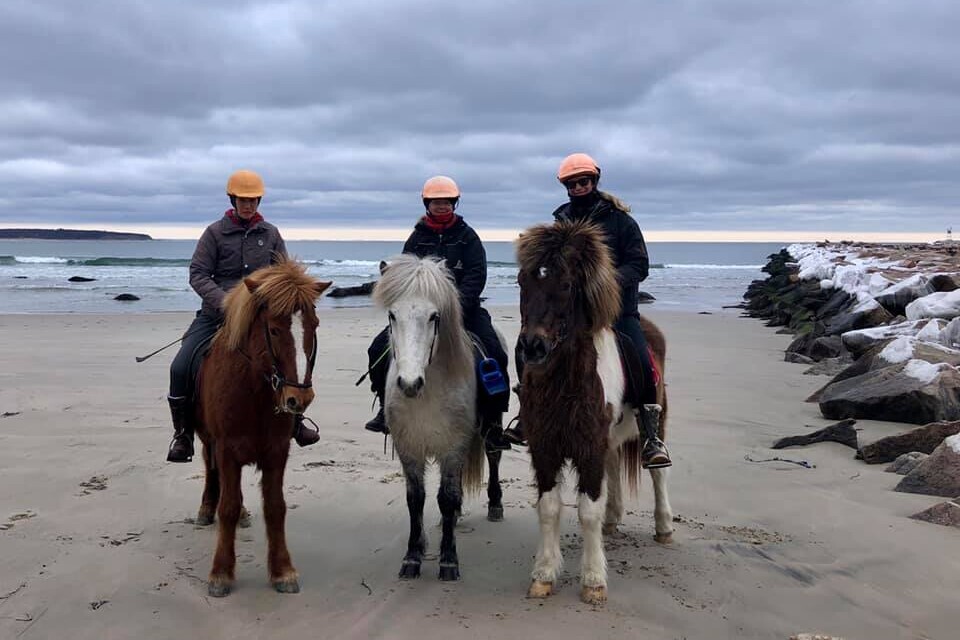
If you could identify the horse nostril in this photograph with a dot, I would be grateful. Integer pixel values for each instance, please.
(418, 384)
(535, 350)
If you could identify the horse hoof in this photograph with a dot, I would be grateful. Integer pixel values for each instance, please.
(495, 514)
(204, 519)
(664, 538)
(287, 585)
(609, 529)
(409, 570)
(593, 595)
(540, 589)
(218, 588)
(449, 571)
(244, 521)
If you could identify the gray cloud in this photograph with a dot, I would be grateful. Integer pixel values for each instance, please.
(705, 115)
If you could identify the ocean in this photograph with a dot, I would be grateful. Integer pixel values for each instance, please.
(34, 273)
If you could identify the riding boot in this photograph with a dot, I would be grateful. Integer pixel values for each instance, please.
(181, 447)
(491, 430)
(654, 454)
(514, 431)
(303, 435)
(378, 424)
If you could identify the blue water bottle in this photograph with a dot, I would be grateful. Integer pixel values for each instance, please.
(491, 377)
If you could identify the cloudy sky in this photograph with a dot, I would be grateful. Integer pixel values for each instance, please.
(721, 115)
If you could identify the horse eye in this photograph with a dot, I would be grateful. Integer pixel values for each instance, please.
(274, 332)
(434, 317)
(390, 316)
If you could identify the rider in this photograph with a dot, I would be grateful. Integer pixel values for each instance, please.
(229, 250)
(580, 175)
(442, 233)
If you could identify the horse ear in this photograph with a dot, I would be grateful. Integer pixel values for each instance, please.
(252, 283)
(321, 286)
(384, 265)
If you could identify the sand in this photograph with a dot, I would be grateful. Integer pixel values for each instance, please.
(96, 539)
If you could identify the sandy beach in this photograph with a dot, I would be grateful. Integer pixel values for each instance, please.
(97, 539)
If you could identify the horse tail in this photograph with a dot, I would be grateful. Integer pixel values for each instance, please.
(472, 481)
(630, 465)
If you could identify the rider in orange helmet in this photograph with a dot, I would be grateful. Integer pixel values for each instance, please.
(580, 175)
(230, 249)
(440, 232)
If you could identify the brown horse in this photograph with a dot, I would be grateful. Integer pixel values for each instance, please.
(572, 396)
(257, 377)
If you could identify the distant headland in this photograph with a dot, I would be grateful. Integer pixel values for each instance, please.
(68, 234)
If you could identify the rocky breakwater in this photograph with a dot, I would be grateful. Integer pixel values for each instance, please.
(883, 320)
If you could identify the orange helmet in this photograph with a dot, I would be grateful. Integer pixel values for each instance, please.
(245, 184)
(440, 187)
(577, 164)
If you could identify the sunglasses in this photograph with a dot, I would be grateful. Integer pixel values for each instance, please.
(578, 182)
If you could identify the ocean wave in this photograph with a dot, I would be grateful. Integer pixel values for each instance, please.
(709, 266)
(36, 260)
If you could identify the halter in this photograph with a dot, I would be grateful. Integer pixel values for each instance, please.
(275, 378)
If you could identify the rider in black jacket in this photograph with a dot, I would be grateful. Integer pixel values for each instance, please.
(580, 175)
(444, 234)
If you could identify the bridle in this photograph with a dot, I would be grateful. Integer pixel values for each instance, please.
(275, 377)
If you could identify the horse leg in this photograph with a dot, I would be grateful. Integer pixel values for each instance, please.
(662, 512)
(231, 499)
(283, 576)
(593, 565)
(450, 499)
(614, 511)
(549, 559)
(211, 488)
(494, 492)
(416, 496)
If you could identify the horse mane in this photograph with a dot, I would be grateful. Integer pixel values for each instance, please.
(579, 249)
(428, 278)
(283, 287)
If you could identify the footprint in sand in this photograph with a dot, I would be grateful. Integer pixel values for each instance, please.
(95, 483)
(16, 517)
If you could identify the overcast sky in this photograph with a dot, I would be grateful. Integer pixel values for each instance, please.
(715, 115)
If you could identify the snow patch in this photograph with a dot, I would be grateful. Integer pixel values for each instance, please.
(899, 350)
(953, 442)
(924, 371)
(936, 305)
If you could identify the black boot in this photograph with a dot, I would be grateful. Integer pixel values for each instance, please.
(378, 424)
(491, 430)
(303, 435)
(514, 431)
(654, 454)
(181, 447)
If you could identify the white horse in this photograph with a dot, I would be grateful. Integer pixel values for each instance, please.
(430, 401)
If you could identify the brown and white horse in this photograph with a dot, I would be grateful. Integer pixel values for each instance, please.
(572, 396)
(257, 377)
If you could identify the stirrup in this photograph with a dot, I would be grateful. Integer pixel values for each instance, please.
(303, 435)
(661, 449)
(515, 435)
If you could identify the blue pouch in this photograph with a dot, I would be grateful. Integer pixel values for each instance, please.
(491, 377)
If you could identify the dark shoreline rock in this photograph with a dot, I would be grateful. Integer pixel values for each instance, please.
(80, 279)
(364, 289)
(126, 297)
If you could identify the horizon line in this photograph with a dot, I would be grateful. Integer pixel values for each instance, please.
(397, 234)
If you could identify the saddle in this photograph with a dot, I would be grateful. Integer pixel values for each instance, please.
(633, 370)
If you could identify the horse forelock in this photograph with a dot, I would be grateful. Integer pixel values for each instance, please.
(578, 249)
(408, 278)
(283, 288)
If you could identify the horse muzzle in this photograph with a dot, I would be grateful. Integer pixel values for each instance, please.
(410, 388)
(535, 350)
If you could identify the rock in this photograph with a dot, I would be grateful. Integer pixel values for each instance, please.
(644, 298)
(842, 432)
(945, 513)
(860, 341)
(126, 297)
(943, 282)
(19, 277)
(866, 314)
(80, 279)
(949, 335)
(364, 289)
(923, 439)
(916, 392)
(939, 474)
(895, 298)
(935, 305)
(906, 463)
(830, 366)
(825, 347)
(797, 358)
